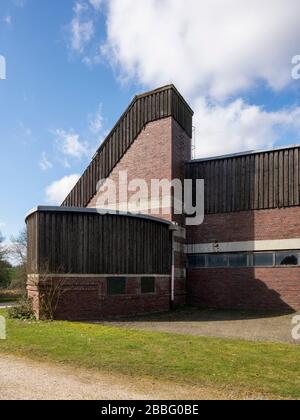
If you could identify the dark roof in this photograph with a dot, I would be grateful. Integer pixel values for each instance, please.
(85, 210)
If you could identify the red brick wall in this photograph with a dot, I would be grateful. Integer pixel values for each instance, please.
(181, 153)
(148, 158)
(247, 226)
(261, 288)
(159, 152)
(275, 289)
(87, 299)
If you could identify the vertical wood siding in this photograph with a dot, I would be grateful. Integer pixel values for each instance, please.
(155, 105)
(88, 243)
(258, 181)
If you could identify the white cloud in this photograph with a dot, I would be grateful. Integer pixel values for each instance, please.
(44, 163)
(70, 145)
(58, 190)
(213, 51)
(209, 47)
(96, 4)
(96, 121)
(82, 32)
(2, 225)
(93, 59)
(82, 27)
(240, 127)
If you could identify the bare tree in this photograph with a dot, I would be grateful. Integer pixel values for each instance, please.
(51, 288)
(4, 264)
(18, 248)
(18, 252)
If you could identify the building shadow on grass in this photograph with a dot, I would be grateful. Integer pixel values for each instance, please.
(193, 314)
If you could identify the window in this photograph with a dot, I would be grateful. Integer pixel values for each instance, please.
(244, 259)
(148, 285)
(196, 261)
(217, 260)
(116, 286)
(263, 259)
(238, 260)
(287, 258)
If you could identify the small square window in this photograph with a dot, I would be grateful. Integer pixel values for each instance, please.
(147, 285)
(287, 258)
(116, 286)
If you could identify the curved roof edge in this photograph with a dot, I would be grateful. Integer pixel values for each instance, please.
(57, 209)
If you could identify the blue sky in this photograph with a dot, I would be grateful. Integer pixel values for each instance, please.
(47, 88)
(73, 67)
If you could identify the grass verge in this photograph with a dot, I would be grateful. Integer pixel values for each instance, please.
(268, 369)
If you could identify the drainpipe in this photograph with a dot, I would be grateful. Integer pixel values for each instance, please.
(173, 229)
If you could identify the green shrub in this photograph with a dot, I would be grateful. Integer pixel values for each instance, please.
(23, 310)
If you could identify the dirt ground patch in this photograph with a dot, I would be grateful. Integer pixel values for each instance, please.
(23, 379)
(245, 325)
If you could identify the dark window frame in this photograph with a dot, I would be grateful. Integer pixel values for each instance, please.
(263, 253)
(113, 292)
(287, 253)
(143, 292)
(239, 254)
(250, 260)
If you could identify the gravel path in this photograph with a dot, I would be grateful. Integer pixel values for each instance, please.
(22, 379)
(7, 305)
(253, 326)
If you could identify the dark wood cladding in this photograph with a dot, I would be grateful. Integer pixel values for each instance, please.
(89, 243)
(32, 243)
(258, 181)
(153, 106)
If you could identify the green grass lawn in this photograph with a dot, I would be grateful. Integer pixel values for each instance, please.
(269, 369)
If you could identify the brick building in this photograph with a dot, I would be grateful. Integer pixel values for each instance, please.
(246, 254)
